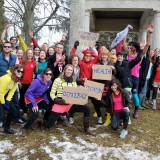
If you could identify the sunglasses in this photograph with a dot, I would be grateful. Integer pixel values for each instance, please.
(6, 46)
(48, 74)
(19, 71)
(88, 56)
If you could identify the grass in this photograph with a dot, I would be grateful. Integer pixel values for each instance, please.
(144, 134)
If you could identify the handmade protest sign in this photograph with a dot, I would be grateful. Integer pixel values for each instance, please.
(94, 89)
(102, 72)
(75, 95)
(88, 38)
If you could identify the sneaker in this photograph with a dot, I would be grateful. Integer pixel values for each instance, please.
(95, 114)
(71, 120)
(100, 120)
(25, 116)
(123, 133)
(19, 121)
(154, 107)
(24, 132)
(9, 131)
(66, 123)
(136, 114)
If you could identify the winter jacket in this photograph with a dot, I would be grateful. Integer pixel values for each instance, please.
(4, 64)
(123, 71)
(7, 86)
(38, 89)
(86, 66)
(108, 101)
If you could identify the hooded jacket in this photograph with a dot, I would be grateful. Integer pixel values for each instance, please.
(38, 89)
(7, 86)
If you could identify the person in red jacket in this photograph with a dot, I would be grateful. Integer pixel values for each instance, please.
(86, 63)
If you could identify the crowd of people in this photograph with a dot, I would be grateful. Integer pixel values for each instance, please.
(33, 77)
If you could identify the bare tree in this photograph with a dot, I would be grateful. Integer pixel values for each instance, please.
(33, 15)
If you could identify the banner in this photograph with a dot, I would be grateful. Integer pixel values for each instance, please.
(94, 89)
(88, 39)
(102, 72)
(75, 95)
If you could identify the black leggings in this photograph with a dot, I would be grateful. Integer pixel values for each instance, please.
(97, 105)
(155, 90)
(35, 115)
(12, 112)
(117, 116)
(75, 108)
(22, 91)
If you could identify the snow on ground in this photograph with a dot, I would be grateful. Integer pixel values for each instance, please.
(80, 149)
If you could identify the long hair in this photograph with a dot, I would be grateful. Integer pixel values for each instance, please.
(25, 56)
(117, 82)
(12, 70)
(62, 75)
(71, 57)
(104, 53)
(151, 59)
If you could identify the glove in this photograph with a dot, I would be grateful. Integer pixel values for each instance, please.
(59, 101)
(6, 105)
(97, 44)
(76, 43)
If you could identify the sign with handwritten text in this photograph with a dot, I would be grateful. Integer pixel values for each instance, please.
(88, 38)
(94, 89)
(102, 72)
(75, 95)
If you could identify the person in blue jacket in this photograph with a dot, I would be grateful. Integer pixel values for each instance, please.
(36, 97)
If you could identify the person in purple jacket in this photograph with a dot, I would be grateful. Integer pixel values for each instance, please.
(36, 97)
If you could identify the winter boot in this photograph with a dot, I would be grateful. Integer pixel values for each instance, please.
(108, 120)
(154, 104)
(136, 114)
(86, 122)
(140, 102)
(143, 103)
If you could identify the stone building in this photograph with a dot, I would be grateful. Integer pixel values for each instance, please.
(113, 16)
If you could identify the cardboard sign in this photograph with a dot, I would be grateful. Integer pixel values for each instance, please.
(75, 95)
(102, 72)
(94, 89)
(61, 108)
(88, 38)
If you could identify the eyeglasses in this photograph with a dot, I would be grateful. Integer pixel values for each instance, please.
(88, 56)
(48, 74)
(6, 46)
(19, 71)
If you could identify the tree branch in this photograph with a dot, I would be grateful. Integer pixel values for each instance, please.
(54, 12)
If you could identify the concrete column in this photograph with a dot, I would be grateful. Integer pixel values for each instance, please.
(87, 20)
(77, 20)
(156, 34)
(142, 34)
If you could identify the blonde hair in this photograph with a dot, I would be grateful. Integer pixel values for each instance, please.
(25, 56)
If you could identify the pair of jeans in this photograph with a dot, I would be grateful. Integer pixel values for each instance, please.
(117, 116)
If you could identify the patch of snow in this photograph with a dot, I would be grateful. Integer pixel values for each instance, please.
(5, 145)
(84, 150)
